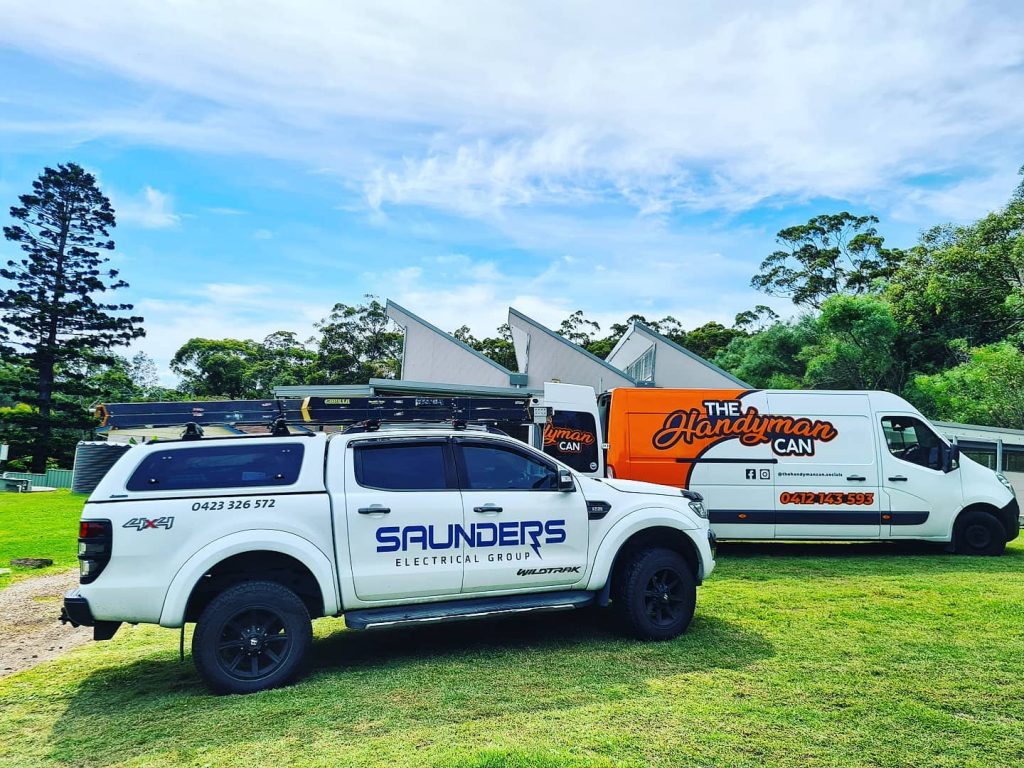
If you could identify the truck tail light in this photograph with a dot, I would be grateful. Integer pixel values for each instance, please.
(95, 538)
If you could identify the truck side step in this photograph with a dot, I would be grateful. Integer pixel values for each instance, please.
(456, 610)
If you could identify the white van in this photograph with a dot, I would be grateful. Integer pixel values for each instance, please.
(794, 464)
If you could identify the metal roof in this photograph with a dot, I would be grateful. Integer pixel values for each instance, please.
(644, 328)
(452, 339)
(516, 313)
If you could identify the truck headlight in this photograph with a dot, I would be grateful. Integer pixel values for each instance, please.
(699, 509)
(1007, 483)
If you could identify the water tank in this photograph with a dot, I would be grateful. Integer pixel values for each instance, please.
(92, 460)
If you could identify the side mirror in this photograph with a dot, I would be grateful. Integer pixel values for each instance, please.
(951, 460)
(565, 482)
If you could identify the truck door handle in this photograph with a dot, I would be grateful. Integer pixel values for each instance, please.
(487, 508)
(898, 478)
(374, 509)
(858, 478)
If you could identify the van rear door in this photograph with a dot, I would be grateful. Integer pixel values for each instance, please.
(827, 485)
(572, 435)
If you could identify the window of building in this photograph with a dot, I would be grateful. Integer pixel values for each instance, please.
(642, 369)
(1013, 459)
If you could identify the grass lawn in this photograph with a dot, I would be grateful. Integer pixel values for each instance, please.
(800, 655)
(43, 524)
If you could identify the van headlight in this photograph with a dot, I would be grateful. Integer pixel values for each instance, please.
(699, 509)
(1007, 483)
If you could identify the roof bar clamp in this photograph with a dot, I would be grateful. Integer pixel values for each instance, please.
(192, 432)
(279, 427)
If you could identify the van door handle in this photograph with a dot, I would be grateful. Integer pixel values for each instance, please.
(374, 509)
(858, 478)
(898, 478)
(487, 508)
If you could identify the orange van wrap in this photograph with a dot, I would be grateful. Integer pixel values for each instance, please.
(659, 435)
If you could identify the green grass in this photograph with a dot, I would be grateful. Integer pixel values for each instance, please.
(43, 524)
(800, 655)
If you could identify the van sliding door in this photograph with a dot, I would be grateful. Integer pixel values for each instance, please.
(826, 479)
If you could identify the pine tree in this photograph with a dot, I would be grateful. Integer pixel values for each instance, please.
(51, 311)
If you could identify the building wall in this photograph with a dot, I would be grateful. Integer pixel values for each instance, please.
(549, 357)
(430, 355)
(674, 367)
(994, 447)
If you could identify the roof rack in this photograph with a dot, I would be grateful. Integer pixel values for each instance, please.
(355, 413)
(458, 425)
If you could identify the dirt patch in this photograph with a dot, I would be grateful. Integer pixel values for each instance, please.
(30, 631)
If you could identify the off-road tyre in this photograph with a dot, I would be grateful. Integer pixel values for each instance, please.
(654, 595)
(251, 637)
(978, 532)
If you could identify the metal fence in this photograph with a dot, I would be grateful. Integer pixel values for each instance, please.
(54, 478)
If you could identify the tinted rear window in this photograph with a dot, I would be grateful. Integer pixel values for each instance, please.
(416, 467)
(221, 466)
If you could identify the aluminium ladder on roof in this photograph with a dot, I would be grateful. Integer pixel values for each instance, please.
(315, 411)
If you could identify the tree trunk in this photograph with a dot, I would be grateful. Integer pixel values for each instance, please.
(47, 354)
(41, 446)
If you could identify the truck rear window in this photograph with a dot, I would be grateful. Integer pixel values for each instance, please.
(221, 466)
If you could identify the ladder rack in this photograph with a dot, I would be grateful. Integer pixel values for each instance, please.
(315, 411)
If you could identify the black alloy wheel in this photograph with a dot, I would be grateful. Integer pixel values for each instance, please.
(664, 598)
(654, 594)
(253, 644)
(252, 636)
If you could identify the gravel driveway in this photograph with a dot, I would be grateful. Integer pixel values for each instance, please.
(30, 631)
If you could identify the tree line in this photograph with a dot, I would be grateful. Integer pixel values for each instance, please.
(941, 323)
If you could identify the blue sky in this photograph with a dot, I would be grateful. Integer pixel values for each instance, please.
(462, 157)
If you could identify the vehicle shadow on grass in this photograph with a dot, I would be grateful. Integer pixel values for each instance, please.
(845, 558)
(391, 680)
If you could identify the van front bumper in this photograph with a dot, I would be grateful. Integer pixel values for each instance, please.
(77, 613)
(1010, 517)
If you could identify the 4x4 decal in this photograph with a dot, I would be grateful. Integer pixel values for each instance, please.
(142, 523)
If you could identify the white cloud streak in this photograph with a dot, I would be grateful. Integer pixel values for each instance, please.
(482, 107)
(150, 209)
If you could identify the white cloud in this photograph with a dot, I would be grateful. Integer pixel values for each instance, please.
(481, 107)
(262, 234)
(454, 290)
(150, 209)
(223, 310)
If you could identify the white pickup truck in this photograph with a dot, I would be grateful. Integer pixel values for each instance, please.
(252, 537)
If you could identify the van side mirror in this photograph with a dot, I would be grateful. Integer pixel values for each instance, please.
(951, 460)
(565, 482)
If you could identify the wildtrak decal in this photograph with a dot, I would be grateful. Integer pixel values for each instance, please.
(723, 420)
(544, 571)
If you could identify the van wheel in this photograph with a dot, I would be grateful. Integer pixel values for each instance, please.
(655, 595)
(979, 533)
(251, 637)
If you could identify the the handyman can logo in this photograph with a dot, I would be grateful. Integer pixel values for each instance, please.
(724, 419)
(567, 439)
